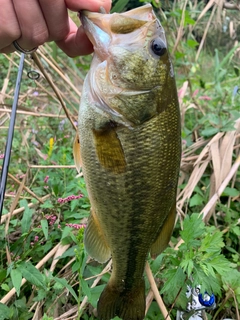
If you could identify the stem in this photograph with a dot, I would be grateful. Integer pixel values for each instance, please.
(156, 293)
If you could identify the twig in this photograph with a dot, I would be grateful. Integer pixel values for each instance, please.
(11, 293)
(205, 32)
(95, 282)
(19, 210)
(216, 196)
(220, 190)
(75, 308)
(231, 6)
(14, 203)
(53, 167)
(61, 249)
(181, 27)
(208, 6)
(68, 313)
(48, 115)
(55, 89)
(24, 187)
(156, 292)
(56, 69)
(149, 300)
(236, 304)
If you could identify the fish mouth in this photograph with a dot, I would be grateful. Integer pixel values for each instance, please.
(99, 36)
(102, 28)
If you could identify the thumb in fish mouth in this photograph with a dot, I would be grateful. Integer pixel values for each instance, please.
(102, 10)
(100, 29)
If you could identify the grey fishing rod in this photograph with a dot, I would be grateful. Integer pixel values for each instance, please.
(7, 154)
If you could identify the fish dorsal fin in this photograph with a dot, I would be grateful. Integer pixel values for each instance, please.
(95, 241)
(165, 233)
(109, 149)
(76, 153)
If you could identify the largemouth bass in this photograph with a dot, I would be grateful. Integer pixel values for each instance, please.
(129, 133)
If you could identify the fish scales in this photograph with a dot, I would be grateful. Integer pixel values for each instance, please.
(129, 133)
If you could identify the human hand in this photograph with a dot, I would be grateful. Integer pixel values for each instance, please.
(34, 22)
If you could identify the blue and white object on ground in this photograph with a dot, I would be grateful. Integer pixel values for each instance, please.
(197, 306)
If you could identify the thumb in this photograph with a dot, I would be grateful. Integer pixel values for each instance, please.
(76, 42)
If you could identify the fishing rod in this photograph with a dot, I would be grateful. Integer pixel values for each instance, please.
(7, 154)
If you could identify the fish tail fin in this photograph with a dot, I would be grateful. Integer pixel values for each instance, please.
(128, 305)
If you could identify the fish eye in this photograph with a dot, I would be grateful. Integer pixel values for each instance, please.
(158, 47)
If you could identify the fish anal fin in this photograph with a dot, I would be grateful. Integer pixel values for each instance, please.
(95, 241)
(126, 304)
(76, 153)
(165, 233)
(109, 149)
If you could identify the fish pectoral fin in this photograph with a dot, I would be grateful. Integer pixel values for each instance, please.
(95, 241)
(165, 233)
(109, 149)
(127, 304)
(76, 153)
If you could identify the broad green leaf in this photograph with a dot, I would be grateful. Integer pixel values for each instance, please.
(209, 283)
(66, 231)
(220, 264)
(74, 204)
(196, 200)
(207, 269)
(96, 291)
(16, 277)
(4, 312)
(187, 265)
(47, 205)
(231, 192)
(5, 287)
(44, 224)
(85, 288)
(45, 317)
(232, 279)
(175, 279)
(188, 20)
(193, 228)
(209, 131)
(212, 242)
(236, 230)
(65, 284)
(32, 274)
(119, 6)
(192, 43)
(21, 303)
(41, 294)
(76, 266)
(96, 270)
(227, 59)
(69, 253)
(27, 216)
(3, 274)
(156, 264)
(179, 55)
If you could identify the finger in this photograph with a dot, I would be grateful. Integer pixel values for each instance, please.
(9, 30)
(76, 42)
(56, 18)
(91, 5)
(34, 31)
